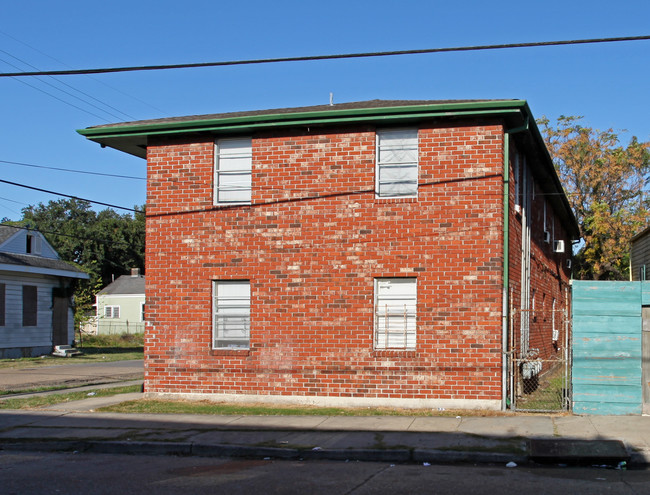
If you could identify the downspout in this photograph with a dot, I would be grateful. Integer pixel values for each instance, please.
(506, 262)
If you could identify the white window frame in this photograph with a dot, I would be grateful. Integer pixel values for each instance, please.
(233, 171)
(383, 144)
(231, 310)
(395, 325)
(112, 312)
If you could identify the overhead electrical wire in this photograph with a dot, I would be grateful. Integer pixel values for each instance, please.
(323, 57)
(69, 196)
(101, 109)
(73, 170)
(103, 83)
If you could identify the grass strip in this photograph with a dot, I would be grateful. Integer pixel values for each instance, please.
(157, 406)
(50, 400)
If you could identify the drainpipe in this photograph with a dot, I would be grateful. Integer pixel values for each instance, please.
(506, 261)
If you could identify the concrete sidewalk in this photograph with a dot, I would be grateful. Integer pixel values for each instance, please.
(501, 439)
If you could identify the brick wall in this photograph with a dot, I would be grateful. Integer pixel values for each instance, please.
(311, 243)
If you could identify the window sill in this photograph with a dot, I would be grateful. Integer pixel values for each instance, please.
(230, 352)
(401, 353)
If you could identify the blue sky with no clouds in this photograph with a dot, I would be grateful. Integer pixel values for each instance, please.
(606, 83)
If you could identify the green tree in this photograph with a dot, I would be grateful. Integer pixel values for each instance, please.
(104, 244)
(607, 184)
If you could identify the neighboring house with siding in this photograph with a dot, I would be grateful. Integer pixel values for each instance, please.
(120, 305)
(35, 295)
(378, 253)
(640, 256)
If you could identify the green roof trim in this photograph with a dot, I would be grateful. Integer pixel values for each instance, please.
(294, 118)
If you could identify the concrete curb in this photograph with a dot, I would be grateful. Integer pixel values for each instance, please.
(217, 450)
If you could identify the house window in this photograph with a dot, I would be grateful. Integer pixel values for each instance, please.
(395, 313)
(30, 305)
(142, 311)
(232, 177)
(32, 244)
(111, 311)
(554, 328)
(397, 163)
(3, 292)
(231, 314)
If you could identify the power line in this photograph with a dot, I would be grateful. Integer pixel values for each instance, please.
(323, 57)
(69, 196)
(111, 242)
(72, 170)
(72, 88)
(92, 78)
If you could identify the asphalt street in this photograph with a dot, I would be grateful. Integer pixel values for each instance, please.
(40, 473)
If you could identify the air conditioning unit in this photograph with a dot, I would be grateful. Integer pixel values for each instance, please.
(558, 246)
(547, 236)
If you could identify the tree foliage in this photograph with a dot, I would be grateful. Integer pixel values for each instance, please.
(104, 244)
(607, 185)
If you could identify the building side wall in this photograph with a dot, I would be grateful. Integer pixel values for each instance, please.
(549, 273)
(312, 244)
(130, 320)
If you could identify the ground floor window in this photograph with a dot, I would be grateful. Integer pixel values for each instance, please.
(111, 311)
(30, 305)
(231, 314)
(395, 313)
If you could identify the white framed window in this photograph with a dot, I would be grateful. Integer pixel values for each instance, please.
(555, 330)
(232, 173)
(396, 174)
(111, 311)
(231, 310)
(395, 313)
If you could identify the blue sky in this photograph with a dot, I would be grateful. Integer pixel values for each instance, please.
(605, 83)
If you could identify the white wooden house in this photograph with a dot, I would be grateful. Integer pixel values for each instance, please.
(35, 294)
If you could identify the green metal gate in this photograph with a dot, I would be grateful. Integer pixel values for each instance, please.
(607, 347)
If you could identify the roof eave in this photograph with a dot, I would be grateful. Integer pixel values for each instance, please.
(132, 139)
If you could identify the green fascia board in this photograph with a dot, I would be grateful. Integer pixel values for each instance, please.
(301, 118)
(222, 128)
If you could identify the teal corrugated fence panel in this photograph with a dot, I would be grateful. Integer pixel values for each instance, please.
(607, 347)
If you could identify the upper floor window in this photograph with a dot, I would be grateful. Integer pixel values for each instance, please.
(32, 244)
(233, 166)
(397, 163)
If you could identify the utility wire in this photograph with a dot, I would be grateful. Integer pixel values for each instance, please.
(68, 196)
(111, 242)
(60, 99)
(92, 78)
(322, 57)
(101, 109)
(72, 170)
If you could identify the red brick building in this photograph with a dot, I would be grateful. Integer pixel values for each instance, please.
(357, 254)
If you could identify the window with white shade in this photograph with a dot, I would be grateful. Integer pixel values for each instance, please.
(111, 311)
(231, 314)
(397, 163)
(395, 313)
(233, 167)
